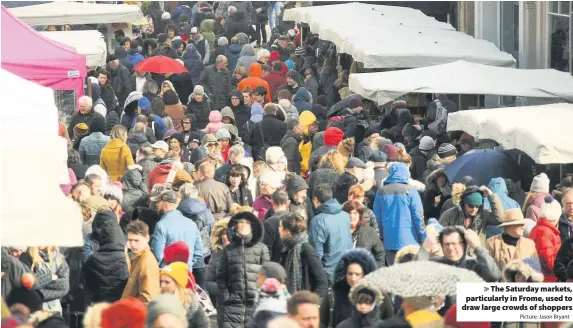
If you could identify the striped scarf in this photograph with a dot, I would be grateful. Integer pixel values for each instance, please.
(294, 263)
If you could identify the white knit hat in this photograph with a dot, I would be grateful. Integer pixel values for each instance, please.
(550, 209)
(540, 183)
(165, 16)
(273, 179)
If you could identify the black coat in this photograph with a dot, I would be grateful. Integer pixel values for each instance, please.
(81, 118)
(242, 196)
(135, 193)
(217, 85)
(201, 111)
(211, 275)
(343, 184)
(237, 272)
(106, 270)
(289, 145)
(565, 229)
(183, 84)
(313, 274)
(366, 237)
(272, 237)
(564, 256)
(359, 320)
(273, 131)
(419, 163)
(121, 82)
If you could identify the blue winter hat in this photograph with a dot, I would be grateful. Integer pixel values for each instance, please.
(256, 113)
(290, 64)
(144, 103)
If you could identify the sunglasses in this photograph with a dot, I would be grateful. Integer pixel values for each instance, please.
(473, 206)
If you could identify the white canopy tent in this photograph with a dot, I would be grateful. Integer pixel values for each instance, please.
(78, 13)
(542, 132)
(395, 37)
(462, 77)
(88, 43)
(26, 221)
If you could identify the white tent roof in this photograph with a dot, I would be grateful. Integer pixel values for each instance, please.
(72, 13)
(542, 132)
(88, 43)
(463, 78)
(395, 37)
(24, 223)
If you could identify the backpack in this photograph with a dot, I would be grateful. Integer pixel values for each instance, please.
(263, 151)
(440, 123)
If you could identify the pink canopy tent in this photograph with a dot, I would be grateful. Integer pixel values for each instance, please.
(36, 58)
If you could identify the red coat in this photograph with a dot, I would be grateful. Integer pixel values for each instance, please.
(255, 80)
(547, 243)
(275, 80)
(158, 175)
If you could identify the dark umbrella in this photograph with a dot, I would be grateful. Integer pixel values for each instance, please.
(160, 65)
(483, 165)
(341, 105)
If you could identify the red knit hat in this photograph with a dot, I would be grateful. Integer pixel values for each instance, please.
(333, 136)
(176, 252)
(125, 313)
(275, 56)
(391, 151)
(450, 319)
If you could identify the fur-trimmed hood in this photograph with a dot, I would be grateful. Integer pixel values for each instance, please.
(406, 250)
(256, 225)
(528, 267)
(358, 256)
(219, 226)
(363, 284)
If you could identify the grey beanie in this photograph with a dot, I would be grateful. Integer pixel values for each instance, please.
(165, 303)
(222, 134)
(222, 41)
(427, 143)
(273, 270)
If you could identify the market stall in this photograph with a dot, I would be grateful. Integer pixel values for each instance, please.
(404, 37)
(88, 43)
(463, 77)
(116, 16)
(36, 58)
(542, 132)
(25, 222)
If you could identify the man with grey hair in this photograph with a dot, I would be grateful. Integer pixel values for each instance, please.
(268, 132)
(120, 79)
(85, 114)
(236, 155)
(192, 207)
(216, 81)
(216, 194)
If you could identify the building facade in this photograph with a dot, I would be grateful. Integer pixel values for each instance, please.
(537, 33)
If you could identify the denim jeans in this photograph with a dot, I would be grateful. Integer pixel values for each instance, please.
(274, 10)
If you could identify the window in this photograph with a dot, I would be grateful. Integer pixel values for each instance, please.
(510, 27)
(560, 35)
(66, 102)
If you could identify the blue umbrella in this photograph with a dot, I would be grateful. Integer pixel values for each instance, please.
(483, 165)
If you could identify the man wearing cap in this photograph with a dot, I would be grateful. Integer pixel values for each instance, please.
(160, 150)
(281, 46)
(201, 106)
(511, 245)
(399, 212)
(173, 227)
(447, 153)
(120, 79)
(216, 81)
(201, 44)
(471, 214)
(164, 47)
(379, 159)
(420, 156)
(353, 175)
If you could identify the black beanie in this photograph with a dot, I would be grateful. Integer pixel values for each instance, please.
(336, 124)
(30, 298)
(97, 124)
(170, 98)
(111, 120)
(321, 100)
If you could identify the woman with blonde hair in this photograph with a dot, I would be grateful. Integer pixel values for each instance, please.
(173, 280)
(329, 168)
(166, 85)
(116, 155)
(52, 272)
(92, 317)
(239, 74)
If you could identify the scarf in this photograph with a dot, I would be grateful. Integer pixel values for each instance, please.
(294, 264)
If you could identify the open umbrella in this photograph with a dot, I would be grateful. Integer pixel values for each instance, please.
(160, 65)
(483, 165)
(419, 278)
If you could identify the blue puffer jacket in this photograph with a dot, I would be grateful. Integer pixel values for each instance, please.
(174, 227)
(134, 57)
(193, 63)
(91, 147)
(329, 234)
(399, 211)
(197, 211)
(233, 54)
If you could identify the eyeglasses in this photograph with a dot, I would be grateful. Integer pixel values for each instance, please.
(472, 206)
(212, 144)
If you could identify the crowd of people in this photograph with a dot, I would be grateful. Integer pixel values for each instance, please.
(226, 196)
